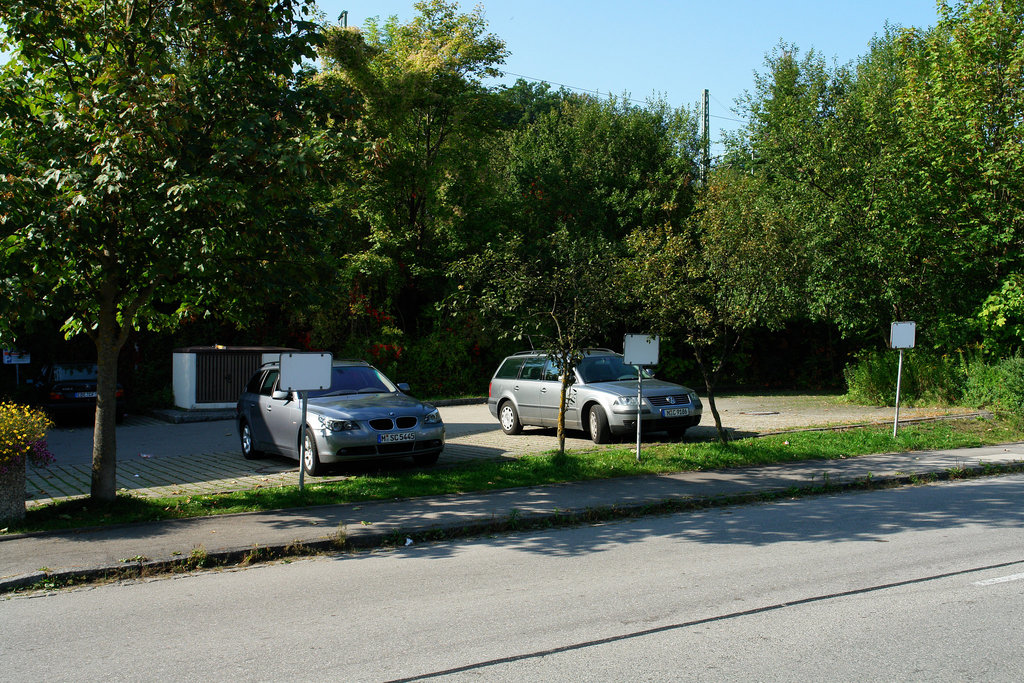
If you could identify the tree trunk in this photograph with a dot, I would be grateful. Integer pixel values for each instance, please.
(104, 443)
(709, 387)
(561, 415)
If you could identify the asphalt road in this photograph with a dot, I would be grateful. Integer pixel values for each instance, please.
(922, 583)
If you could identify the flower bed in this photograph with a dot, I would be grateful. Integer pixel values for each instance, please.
(22, 440)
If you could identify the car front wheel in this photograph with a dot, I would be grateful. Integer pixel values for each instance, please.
(509, 418)
(598, 423)
(310, 455)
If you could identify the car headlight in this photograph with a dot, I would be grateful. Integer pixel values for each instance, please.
(338, 425)
(432, 418)
(626, 401)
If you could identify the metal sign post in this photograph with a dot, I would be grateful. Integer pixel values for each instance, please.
(302, 372)
(17, 359)
(902, 335)
(640, 350)
(639, 404)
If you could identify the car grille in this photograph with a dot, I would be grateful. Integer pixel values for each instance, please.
(670, 400)
(386, 424)
(384, 449)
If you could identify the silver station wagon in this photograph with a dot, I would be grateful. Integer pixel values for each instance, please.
(602, 401)
(363, 416)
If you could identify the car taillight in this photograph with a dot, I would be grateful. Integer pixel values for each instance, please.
(489, 385)
(54, 396)
(120, 393)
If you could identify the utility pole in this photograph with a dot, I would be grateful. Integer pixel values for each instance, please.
(705, 137)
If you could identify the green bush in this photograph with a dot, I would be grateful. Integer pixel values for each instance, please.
(446, 363)
(928, 378)
(998, 386)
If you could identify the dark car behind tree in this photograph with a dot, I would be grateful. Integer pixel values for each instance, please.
(68, 391)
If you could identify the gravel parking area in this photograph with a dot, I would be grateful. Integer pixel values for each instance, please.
(472, 432)
(764, 414)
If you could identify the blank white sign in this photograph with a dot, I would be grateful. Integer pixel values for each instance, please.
(309, 371)
(902, 335)
(640, 349)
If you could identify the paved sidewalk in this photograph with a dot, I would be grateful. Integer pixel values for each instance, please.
(93, 553)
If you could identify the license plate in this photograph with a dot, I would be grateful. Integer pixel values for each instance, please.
(675, 412)
(399, 436)
(85, 394)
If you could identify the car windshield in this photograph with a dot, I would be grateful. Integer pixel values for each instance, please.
(606, 369)
(356, 379)
(74, 371)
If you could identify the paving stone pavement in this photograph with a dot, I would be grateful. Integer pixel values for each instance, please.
(155, 458)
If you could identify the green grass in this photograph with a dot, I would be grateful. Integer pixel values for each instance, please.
(548, 468)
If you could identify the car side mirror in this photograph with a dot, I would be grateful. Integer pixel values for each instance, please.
(404, 387)
(279, 395)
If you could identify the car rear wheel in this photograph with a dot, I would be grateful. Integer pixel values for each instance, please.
(598, 423)
(509, 418)
(249, 451)
(310, 455)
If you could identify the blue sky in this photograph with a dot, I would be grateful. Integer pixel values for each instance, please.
(669, 48)
(662, 47)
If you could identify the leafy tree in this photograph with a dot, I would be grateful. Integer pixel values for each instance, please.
(606, 167)
(560, 293)
(423, 114)
(901, 166)
(963, 112)
(575, 178)
(527, 101)
(826, 146)
(153, 152)
(734, 265)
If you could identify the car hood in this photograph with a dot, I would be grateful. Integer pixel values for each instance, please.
(652, 387)
(367, 405)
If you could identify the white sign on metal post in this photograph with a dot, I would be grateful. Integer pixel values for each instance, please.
(302, 372)
(305, 371)
(17, 358)
(640, 350)
(902, 335)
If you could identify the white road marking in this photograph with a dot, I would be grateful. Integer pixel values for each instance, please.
(1001, 579)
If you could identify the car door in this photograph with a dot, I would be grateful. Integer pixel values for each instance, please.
(282, 419)
(527, 390)
(257, 405)
(550, 393)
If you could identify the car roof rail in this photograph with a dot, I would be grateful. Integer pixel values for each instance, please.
(335, 360)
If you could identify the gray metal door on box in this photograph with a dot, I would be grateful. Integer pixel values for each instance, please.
(221, 375)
